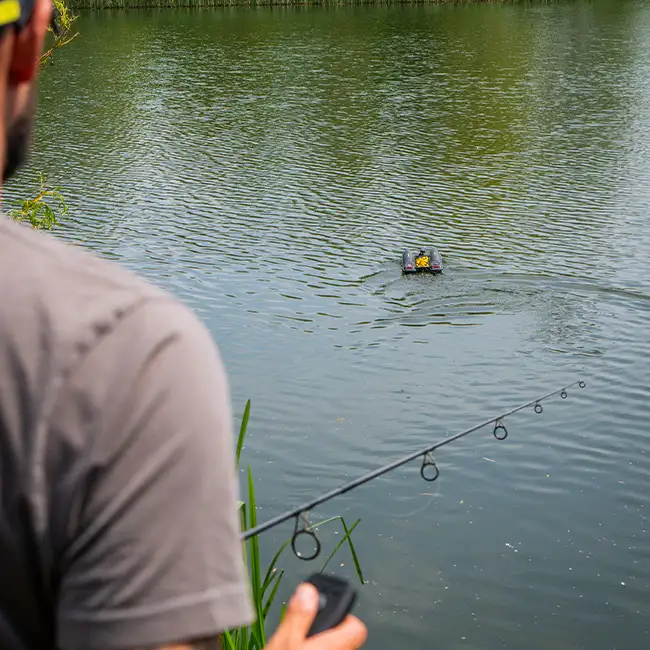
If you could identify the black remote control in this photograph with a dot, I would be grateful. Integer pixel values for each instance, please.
(337, 597)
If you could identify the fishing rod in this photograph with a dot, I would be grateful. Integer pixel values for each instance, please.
(428, 471)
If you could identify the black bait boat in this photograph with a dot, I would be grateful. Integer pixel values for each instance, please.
(428, 260)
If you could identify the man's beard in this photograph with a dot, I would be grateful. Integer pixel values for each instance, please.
(17, 149)
(19, 136)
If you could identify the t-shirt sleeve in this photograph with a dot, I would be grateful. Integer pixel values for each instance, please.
(153, 555)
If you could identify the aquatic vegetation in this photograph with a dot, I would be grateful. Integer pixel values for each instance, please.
(265, 584)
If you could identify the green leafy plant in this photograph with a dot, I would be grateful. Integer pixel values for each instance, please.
(65, 20)
(265, 585)
(41, 211)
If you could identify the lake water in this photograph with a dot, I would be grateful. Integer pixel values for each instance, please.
(270, 165)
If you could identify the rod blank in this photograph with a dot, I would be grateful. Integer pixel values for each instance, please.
(380, 471)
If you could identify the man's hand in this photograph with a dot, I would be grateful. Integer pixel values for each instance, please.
(292, 632)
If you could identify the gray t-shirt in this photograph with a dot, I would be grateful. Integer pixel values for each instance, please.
(118, 522)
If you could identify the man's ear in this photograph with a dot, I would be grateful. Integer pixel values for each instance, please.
(28, 44)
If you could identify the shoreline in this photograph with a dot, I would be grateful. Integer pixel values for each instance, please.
(104, 5)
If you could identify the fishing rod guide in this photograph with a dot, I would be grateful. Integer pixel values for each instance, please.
(429, 471)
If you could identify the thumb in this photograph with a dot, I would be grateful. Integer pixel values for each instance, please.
(302, 609)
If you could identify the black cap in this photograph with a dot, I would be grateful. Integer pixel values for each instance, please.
(18, 12)
(15, 12)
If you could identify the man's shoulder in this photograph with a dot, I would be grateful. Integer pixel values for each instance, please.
(48, 262)
(60, 299)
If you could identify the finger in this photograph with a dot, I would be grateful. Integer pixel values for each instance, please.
(301, 611)
(349, 635)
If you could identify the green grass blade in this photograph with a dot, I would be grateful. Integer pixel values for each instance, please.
(325, 521)
(271, 597)
(347, 538)
(241, 639)
(242, 516)
(256, 640)
(270, 571)
(283, 612)
(242, 430)
(253, 542)
(338, 546)
(264, 592)
(355, 559)
(227, 641)
(257, 629)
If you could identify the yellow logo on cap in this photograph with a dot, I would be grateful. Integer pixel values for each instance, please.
(9, 11)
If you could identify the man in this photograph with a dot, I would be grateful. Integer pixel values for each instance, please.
(118, 523)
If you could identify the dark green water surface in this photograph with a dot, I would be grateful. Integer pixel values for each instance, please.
(270, 165)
